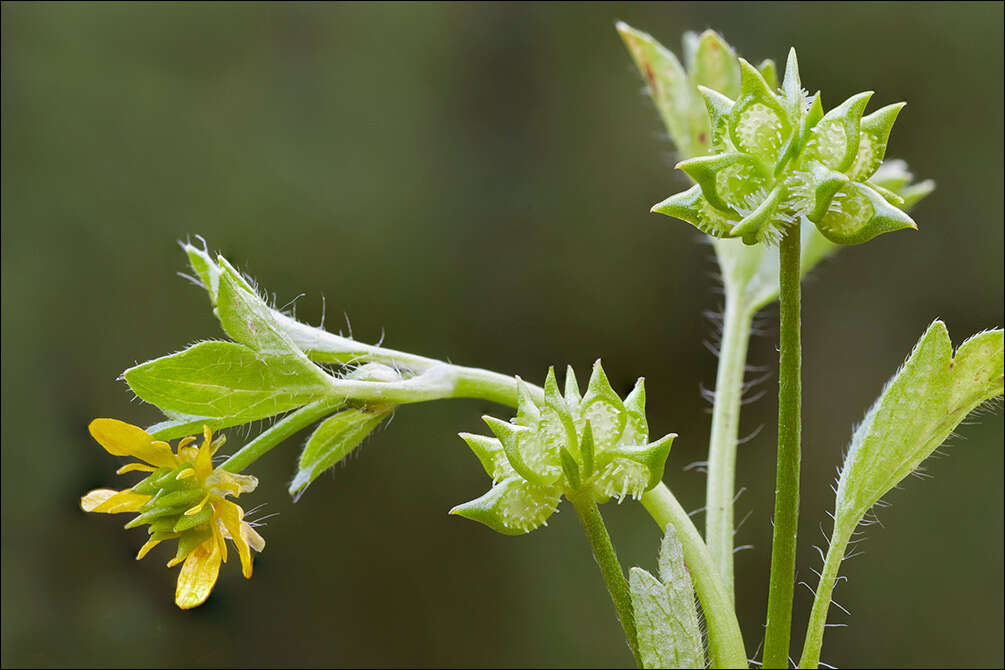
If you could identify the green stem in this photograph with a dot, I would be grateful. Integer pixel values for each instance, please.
(610, 567)
(279, 431)
(725, 642)
(786, 519)
(821, 602)
(725, 431)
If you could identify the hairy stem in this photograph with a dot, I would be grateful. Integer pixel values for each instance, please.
(725, 642)
(279, 431)
(786, 519)
(610, 567)
(725, 430)
(822, 601)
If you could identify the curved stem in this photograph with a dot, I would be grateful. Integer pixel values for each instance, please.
(786, 519)
(725, 430)
(279, 431)
(822, 601)
(725, 641)
(610, 567)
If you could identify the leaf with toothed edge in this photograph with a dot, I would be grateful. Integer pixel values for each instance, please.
(918, 409)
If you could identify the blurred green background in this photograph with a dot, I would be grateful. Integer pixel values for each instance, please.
(473, 182)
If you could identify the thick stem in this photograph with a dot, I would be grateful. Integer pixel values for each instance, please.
(610, 567)
(725, 642)
(821, 603)
(279, 431)
(786, 520)
(725, 431)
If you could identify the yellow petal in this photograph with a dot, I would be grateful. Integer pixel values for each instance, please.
(235, 484)
(218, 538)
(233, 518)
(112, 502)
(185, 441)
(198, 575)
(204, 459)
(146, 548)
(124, 439)
(130, 467)
(256, 541)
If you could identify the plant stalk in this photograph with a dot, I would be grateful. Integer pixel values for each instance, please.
(786, 519)
(822, 600)
(721, 489)
(610, 567)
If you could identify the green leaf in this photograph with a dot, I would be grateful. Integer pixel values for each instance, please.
(715, 65)
(227, 380)
(514, 506)
(666, 617)
(205, 268)
(919, 408)
(246, 318)
(333, 440)
(671, 90)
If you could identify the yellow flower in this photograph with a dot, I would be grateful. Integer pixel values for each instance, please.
(182, 498)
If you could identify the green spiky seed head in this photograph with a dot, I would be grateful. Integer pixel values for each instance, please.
(594, 444)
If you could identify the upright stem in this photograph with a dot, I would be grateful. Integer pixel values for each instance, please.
(786, 521)
(725, 430)
(725, 642)
(610, 567)
(821, 603)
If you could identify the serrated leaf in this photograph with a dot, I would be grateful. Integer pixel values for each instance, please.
(334, 439)
(227, 380)
(513, 506)
(666, 617)
(917, 410)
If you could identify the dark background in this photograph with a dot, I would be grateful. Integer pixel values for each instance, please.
(474, 182)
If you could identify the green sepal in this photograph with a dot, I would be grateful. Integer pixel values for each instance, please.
(636, 425)
(189, 541)
(691, 206)
(334, 439)
(184, 522)
(175, 499)
(150, 485)
(153, 513)
(918, 409)
(836, 136)
(513, 506)
(604, 409)
(769, 71)
(874, 133)
(161, 525)
(518, 444)
(571, 469)
(863, 215)
(490, 454)
(714, 64)
(587, 450)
